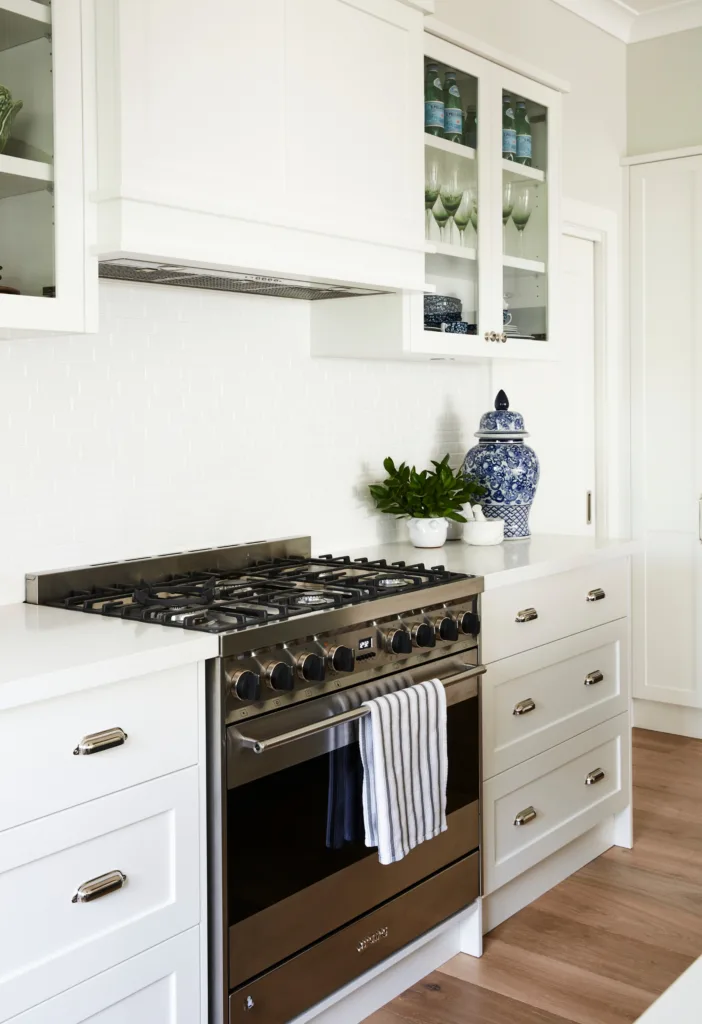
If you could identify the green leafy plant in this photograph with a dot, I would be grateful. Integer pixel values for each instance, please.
(432, 494)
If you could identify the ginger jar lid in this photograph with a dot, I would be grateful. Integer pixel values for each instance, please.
(501, 423)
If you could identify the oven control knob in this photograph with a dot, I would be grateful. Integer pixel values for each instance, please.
(468, 622)
(247, 685)
(446, 628)
(311, 668)
(398, 641)
(342, 659)
(423, 635)
(280, 675)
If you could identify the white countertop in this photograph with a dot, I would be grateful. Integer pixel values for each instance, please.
(46, 652)
(510, 562)
(680, 1004)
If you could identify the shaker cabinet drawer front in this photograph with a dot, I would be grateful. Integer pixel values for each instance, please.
(91, 886)
(535, 700)
(62, 752)
(526, 615)
(160, 986)
(533, 810)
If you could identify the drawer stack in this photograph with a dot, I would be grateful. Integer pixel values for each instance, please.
(100, 853)
(555, 714)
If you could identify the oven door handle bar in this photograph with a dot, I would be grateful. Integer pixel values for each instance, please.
(261, 746)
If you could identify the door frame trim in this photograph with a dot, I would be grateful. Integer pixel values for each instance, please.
(601, 226)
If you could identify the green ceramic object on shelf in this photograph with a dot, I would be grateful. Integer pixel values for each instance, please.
(9, 108)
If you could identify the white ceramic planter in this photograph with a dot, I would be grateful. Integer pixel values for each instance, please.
(428, 533)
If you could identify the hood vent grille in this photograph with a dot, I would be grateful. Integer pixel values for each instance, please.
(226, 280)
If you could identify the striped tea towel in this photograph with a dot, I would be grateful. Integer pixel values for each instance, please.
(405, 768)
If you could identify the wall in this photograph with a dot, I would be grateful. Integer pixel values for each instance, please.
(195, 419)
(664, 85)
(593, 62)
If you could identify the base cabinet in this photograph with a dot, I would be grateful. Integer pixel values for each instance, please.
(160, 986)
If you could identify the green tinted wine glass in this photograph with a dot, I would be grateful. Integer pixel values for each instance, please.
(451, 194)
(440, 216)
(431, 191)
(523, 206)
(508, 196)
(461, 217)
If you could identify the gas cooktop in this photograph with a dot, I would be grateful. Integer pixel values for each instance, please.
(267, 591)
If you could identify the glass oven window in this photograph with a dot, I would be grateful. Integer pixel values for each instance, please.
(278, 825)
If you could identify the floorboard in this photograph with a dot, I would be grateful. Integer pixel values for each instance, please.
(601, 946)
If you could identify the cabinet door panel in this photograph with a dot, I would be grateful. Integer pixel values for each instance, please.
(666, 255)
(353, 106)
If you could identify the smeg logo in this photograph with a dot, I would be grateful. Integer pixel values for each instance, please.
(372, 939)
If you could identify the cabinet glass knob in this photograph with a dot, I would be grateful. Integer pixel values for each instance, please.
(526, 615)
(597, 594)
(525, 816)
(592, 777)
(94, 742)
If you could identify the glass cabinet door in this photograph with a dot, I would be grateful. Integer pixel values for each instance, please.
(526, 194)
(42, 238)
(454, 178)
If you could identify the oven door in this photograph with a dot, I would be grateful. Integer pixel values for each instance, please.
(297, 865)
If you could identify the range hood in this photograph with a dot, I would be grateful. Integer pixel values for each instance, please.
(182, 276)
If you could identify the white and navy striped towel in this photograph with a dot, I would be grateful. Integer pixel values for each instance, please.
(405, 768)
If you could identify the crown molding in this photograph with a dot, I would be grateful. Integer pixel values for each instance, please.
(610, 15)
(667, 21)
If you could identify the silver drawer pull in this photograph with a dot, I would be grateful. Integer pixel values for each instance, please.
(524, 706)
(592, 777)
(527, 615)
(593, 677)
(525, 816)
(94, 742)
(100, 886)
(597, 594)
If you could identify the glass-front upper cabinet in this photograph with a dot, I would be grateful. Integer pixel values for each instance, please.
(43, 260)
(490, 200)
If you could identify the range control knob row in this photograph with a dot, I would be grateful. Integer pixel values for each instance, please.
(398, 641)
(311, 668)
(342, 659)
(446, 628)
(423, 635)
(280, 676)
(246, 685)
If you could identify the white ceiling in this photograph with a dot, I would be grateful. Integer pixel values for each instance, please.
(634, 20)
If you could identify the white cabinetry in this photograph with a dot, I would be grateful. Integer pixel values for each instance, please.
(43, 247)
(480, 263)
(555, 710)
(666, 325)
(282, 136)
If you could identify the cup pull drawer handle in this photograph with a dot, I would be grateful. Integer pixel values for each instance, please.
(597, 594)
(593, 677)
(597, 776)
(523, 707)
(100, 886)
(527, 615)
(525, 816)
(94, 742)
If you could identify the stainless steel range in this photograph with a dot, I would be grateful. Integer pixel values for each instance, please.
(299, 906)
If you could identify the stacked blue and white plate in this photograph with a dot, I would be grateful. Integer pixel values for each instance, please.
(441, 309)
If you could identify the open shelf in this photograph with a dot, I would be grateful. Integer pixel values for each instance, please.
(22, 21)
(444, 249)
(19, 176)
(517, 263)
(520, 172)
(446, 146)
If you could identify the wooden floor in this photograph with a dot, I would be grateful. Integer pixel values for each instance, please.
(601, 946)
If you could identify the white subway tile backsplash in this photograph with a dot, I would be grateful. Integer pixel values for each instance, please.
(197, 418)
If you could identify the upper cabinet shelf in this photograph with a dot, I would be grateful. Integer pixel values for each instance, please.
(18, 176)
(23, 21)
(520, 172)
(456, 149)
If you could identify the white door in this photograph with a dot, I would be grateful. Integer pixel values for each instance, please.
(666, 322)
(557, 399)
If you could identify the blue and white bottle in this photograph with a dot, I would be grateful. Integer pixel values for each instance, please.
(507, 467)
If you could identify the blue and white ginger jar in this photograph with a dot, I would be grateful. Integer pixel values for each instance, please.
(507, 467)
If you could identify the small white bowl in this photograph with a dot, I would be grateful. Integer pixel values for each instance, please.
(489, 531)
